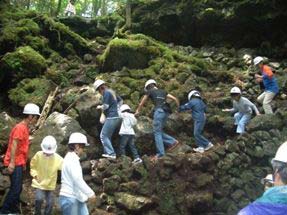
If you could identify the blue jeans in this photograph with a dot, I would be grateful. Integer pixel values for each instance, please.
(110, 125)
(40, 196)
(161, 138)
(12, 200)
(71, 206)
(241, 120)
(130, 141)
(200, 140)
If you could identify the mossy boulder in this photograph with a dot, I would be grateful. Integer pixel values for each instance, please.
(31, 90)
(133, 54)
(25, 62)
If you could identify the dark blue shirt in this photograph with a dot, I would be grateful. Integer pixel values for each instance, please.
(110, 104)
(197, 107)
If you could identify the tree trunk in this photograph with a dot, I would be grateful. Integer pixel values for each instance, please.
(58, 7)
(96, 7)
(104, 8)
(128, 14)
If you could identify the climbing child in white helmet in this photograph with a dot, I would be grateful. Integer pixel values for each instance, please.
(44, 169)
(127, 133)
(242, 108)
(198, 108)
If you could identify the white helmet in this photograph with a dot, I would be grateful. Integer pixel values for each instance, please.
(124, 107)
(98, 83)
(31, 109)
(78, 138)
(147, 83)
(49, 145)
(235, 90)
(193, 93)
(281, 154)
(257, 60)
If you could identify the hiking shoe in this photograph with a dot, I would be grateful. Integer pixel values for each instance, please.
(109, 156)
(209, 146)
(137, 160)
(173, 146)
(199, 149)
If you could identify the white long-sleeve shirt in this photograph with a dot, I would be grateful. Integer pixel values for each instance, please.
(128, 123)
(244, 106)
(73, 184)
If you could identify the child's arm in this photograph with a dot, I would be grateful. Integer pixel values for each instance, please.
(185, 107)
(253, 106)
(174, 99)
(143, 101)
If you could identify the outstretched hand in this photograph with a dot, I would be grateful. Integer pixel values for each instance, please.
(226, 110)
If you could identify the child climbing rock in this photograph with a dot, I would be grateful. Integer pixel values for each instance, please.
(242, 108)
(269, 82)
(198, 108)
(112, 121)
(44, 170)
(127, 133)
(160, 115)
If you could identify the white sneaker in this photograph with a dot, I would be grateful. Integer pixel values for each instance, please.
(137, 160)
(199, 149)
(209, 146)
(109, 156)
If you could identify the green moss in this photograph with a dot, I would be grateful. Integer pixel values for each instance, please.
(25, 62)
(122, 90)
(31, 90)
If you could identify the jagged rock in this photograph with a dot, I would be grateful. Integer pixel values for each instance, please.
(6, 124)
(88, 114)
(111, 184)
(199, 202)
(61, 127)
(4, 182)
(133, 203)
(88, 58)
(265, 122)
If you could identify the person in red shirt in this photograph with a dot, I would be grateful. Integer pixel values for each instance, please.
(16, 157)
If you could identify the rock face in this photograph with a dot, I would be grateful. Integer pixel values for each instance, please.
(60, 126)
(212, 22)
(6, 124)
(131, 202)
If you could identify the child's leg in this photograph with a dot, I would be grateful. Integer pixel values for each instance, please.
(49, 202)
(242, 123)
(200, 140)
(132, 146)
(39, 199)
(123, 143)
(237, 117)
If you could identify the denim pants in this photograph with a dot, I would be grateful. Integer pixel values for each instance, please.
(12, 200)
(241, 120)
(71, 206)
(200, 140)
(40, 196)
(110, 125)
(130, 141)
(161, 138)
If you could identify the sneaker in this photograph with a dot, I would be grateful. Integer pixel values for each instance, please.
(109, 156)
(199, 149)
(137, 160)
(209, 146)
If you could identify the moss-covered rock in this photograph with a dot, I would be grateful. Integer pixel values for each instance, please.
(6, 124)
(25, 62)
(31, 90)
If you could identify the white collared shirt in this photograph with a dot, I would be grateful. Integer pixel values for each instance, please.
(72, 182)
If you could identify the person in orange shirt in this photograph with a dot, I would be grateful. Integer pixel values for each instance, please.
(269, 82)
(16, 157)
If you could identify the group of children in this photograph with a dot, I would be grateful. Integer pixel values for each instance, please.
(74, 191)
